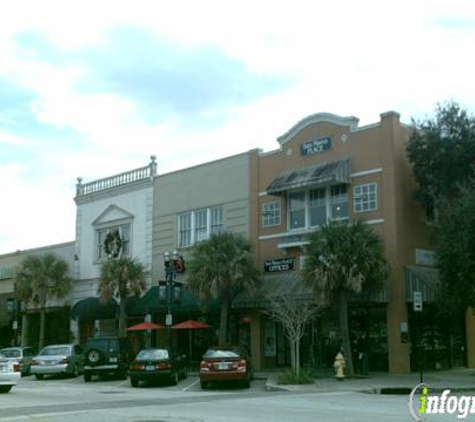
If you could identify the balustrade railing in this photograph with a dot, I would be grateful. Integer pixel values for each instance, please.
(117, 180)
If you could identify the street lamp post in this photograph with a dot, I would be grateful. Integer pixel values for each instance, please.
(170, 273)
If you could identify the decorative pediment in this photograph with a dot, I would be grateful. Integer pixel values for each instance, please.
(351, 122)
(112, 214)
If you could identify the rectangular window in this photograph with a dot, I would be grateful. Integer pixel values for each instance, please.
(124, 234)
(201, 225)
(365, 197)
(217, 225)
(297, 210)
(184, 229)
(339, 202)
(317, 207)
(196, 226)
(271, 215)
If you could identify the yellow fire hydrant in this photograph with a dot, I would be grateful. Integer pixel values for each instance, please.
(339, 366)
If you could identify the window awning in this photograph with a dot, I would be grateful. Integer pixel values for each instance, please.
(274, 286)
(421, 279)
(318, 175)
(94, 308)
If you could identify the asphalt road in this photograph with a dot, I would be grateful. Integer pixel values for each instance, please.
(73, 400)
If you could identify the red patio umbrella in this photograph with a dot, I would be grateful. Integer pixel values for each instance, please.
(190, 325)
(143, 326)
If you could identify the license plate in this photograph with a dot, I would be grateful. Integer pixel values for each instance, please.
(113, 360)
(150, 368)
(222, 366)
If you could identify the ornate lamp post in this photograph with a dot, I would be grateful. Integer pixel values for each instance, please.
(173, 264)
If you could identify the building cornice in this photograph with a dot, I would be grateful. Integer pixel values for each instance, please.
(351, 122)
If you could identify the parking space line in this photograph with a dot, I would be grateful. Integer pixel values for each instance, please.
(191, 385)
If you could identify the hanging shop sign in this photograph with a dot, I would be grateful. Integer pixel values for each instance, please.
(275, 265)
(316, 147)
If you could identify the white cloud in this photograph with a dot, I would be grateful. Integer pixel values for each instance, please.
(344, 57)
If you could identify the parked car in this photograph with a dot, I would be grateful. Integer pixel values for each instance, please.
(21, 355)
(10, 373)
(157, 364)
(225, 364)
(107, 355)
(58, 359)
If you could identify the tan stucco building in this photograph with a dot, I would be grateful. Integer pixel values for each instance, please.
(328, 168)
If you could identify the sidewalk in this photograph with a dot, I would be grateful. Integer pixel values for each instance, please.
(456, 380)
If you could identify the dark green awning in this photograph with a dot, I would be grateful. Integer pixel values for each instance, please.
(151, 303)
(94, 308)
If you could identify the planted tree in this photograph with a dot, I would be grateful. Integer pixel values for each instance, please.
(220, 268)
(455, 233)
(442, 153)
(40, 278)
(121, 278)
(344, 259)
(293, 314)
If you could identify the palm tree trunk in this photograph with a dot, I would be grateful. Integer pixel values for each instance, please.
(122, 318)
(345, 331)
(223, 323)
(42, 328)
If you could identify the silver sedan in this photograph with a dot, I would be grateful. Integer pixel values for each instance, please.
(58, 359)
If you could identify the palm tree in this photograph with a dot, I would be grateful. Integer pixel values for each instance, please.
(40, 278)
(120, 278)
(220, 268)
(344, 259)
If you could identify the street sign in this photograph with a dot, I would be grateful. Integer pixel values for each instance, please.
(417, 301)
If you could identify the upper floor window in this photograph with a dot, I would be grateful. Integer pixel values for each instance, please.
(365, 197)
(196, 226)
(314, 207)
(120, 244)
(271, 214)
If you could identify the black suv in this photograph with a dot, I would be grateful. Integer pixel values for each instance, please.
(107, 355)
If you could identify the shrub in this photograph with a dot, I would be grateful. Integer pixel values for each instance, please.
(288, 377)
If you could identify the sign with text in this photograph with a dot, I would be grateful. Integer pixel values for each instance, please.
(316, 147)
(275, 265)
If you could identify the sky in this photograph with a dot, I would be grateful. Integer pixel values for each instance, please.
(94, 88)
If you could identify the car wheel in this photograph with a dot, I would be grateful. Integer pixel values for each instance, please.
(174, 378)
(134, 381)
(204, 385)
(39, 376)
(5, 388)
(94, 356)
(75, 372)
(87, 377)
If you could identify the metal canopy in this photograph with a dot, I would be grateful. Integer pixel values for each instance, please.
(324, 174)
(421, 279)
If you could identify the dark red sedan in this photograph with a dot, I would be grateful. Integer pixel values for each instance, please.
(225, 364)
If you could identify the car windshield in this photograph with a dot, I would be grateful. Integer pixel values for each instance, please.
(155, 354)
(53, 351)
(222, 353)
(11, 353)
